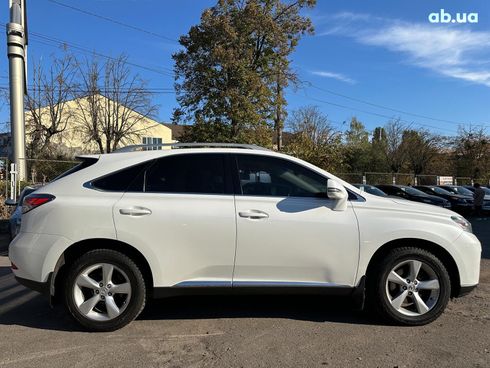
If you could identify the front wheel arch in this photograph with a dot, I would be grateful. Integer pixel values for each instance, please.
(446, 258)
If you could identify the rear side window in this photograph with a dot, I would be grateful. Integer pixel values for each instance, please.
(188, 173)
(129, 179)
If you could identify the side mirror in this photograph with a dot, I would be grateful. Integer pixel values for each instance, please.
(337, 192)
(10, 202)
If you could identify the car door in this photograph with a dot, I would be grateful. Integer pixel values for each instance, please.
(287, 231)
(184, 216)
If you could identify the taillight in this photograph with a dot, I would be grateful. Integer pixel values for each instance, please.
(35, 200)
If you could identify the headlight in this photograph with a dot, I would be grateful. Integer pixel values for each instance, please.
(464, 223)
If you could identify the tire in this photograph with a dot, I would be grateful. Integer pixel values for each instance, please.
(104, 290)
(414, 303)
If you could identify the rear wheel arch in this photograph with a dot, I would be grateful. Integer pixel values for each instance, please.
(441, 253)
(77, 249)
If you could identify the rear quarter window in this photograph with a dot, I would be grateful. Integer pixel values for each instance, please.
(128, 179)
(86, 162)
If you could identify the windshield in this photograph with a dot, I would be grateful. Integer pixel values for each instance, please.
(413, 191)
(441, 191)
(463, 191)
(372, 190)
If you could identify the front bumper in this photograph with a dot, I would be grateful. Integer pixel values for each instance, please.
(466, 251)
(465, 290)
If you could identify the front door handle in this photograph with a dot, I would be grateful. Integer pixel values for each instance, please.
(135, 211)
(253, 214)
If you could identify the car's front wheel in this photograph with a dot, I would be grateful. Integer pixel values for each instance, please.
(409, 286)
(104, 290)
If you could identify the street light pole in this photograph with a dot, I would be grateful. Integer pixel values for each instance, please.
(16, 42)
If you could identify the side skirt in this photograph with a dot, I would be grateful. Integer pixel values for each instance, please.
(261, 289)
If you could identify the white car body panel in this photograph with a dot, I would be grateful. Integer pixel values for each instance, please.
(192, 239)
(294, 244)
(382, 220)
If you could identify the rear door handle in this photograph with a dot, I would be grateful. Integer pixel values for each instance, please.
(253, 214)
(135, 211)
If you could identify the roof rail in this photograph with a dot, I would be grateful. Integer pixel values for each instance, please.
(148, 147)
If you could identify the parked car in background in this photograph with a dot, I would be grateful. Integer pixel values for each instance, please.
(371, 189)
(457, 189)
(459, 203)
(227, 218)
(15, 218)
(486, 200)
(412, 194)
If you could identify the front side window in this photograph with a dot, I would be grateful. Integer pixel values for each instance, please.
(187, 173)
(269, 176)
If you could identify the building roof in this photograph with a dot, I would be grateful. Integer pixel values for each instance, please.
(177, 130)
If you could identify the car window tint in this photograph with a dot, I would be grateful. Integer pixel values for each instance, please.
(441, 191)
(187, 173)
(413, 191)
(463, 191)
(385, 189)
(275, 177)
(451, 190)
(375, 191)
(129, 179)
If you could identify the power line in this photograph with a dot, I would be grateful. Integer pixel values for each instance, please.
(375, 114)
(102, 90)
(382, 106)
(85, 50)
(42, 38)
(112, 20)
(312, 85)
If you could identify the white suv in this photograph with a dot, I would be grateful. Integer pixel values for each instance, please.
(123, 227)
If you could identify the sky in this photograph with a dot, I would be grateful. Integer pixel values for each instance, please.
(373, 59)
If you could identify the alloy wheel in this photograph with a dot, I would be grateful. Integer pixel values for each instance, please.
(102, 292)
(412, 288)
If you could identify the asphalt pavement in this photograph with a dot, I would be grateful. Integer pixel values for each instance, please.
(285, 331)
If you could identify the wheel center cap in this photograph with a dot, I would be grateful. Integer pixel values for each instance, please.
(411, 287)
(104, 291)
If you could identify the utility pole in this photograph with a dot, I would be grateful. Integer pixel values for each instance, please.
(17, 49)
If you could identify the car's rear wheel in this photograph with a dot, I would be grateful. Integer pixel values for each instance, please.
(409, 286)
(104, 290)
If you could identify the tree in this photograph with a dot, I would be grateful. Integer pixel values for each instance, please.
(314, 139)
(47, 104)
(472, 152)
(379, 147)
(395, 154)
(112, 102)
(234, 67)
(420, 147)
(357, 147)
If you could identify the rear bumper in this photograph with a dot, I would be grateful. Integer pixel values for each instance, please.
(40, 287)
(36, 255)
